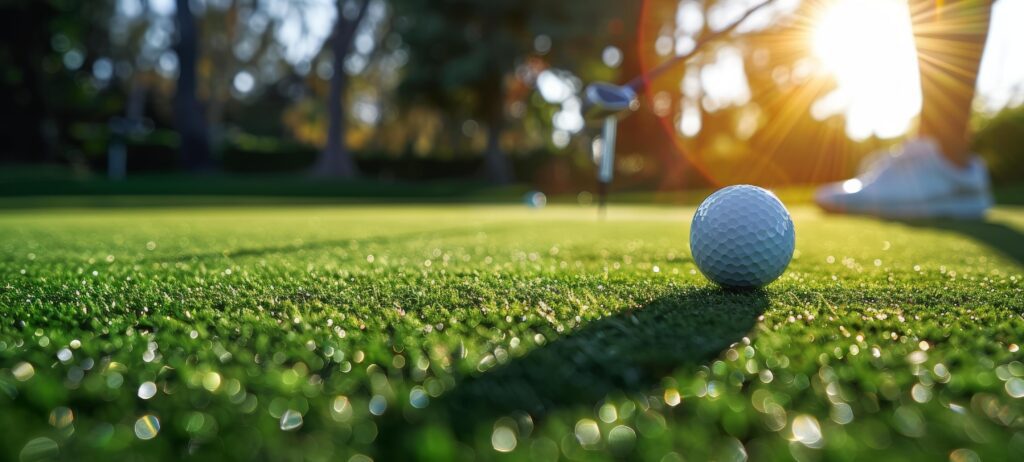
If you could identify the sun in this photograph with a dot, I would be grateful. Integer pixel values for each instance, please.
(868, 47)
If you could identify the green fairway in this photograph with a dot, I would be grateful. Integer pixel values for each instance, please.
(498, 332)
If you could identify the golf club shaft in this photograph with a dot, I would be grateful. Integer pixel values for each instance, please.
(607, 170)
(639, 82)
(607, 167)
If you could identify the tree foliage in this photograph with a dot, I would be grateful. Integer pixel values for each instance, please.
(463, 54)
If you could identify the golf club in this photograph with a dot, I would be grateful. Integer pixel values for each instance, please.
(608, 102)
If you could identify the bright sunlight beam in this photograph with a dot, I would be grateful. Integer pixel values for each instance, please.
(868, 46)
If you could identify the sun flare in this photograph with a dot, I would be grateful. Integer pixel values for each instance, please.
(868, 46)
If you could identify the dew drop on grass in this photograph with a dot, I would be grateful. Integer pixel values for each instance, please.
(1015, 387)
(23, 371)
(147, 427)
(291, 420)
(211, 381)
(1016, 368)
(964, 455)
(147, 390)
(115, 380)
(39, 449)
(921, 393)
(621, 439)
(503, 439)
(587, 432)
(775, 416)
(917, 357)
(418, 397)
(842, 413)
(607, 413)
(672, 397)
(378, 404)
(733, 450)
(806, 430)
(341, 410)
(909, 422)
(61, 417)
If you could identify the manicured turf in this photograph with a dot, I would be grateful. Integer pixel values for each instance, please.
(498, 332)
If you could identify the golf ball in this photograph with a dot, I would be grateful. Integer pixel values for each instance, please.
(742, 237)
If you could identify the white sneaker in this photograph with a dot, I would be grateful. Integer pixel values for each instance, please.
(912, 181)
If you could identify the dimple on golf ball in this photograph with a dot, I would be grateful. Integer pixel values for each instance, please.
(742, 237)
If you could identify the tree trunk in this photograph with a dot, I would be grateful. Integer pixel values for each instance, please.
(496, 165)
(336, 159)
(188, 113)
(220, 82)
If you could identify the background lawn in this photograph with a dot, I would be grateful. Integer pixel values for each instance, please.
(439, 332)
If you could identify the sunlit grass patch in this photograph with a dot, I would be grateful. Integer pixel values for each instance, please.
(460, 332)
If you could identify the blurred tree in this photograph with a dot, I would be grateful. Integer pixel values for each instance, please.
(222, 28)
(1000, 140)
(48, 86)
(23, 92)
(248, 53)
(188, 112)
(460, 54)
(336, 159)
(468, 57)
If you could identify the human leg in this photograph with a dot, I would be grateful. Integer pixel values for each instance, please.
(950, 37)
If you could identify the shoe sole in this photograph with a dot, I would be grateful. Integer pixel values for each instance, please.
(960, 208)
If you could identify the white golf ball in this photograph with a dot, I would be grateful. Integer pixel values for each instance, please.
(742, 237)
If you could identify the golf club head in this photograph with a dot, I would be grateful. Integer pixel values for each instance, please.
(601, 100)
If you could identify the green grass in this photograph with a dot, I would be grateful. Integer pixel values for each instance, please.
(453, 332)
(35, 186)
